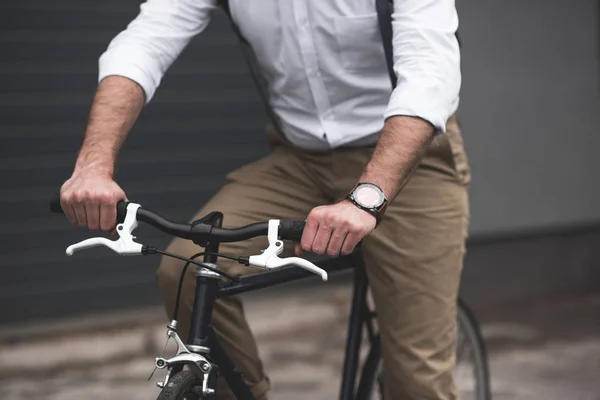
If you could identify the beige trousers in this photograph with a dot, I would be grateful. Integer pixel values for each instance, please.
(413, 259)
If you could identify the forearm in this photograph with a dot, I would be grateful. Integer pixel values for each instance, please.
(401, 146)
(117, 104)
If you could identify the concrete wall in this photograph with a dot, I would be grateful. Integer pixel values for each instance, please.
(531, 112)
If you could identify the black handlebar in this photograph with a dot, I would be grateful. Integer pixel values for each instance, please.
(291, 230)
(200, 233)
(55, 206)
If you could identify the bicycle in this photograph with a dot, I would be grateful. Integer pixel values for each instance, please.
(203, 351)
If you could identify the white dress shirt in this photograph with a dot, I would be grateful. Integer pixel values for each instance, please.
(323, 60)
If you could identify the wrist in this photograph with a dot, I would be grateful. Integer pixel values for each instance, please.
(346, 200)
(97, 166)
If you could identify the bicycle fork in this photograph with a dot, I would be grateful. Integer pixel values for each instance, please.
(196, 352)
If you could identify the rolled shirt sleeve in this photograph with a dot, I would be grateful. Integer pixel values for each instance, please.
(426, 61)
(153, 40)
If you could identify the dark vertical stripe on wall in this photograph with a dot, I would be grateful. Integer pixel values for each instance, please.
(204, 121)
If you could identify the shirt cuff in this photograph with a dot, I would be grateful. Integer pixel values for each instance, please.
(132, 64)
(429, 105)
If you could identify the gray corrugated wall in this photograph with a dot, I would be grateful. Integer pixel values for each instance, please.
(530, 104)
(205, 120)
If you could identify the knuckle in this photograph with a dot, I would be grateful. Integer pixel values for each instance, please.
(339, 234)
(314, 215)
(345, 223)
(65, 196)
(107, 198)
(355, 227)
(77, 197)
(331, 219)
(333, 252)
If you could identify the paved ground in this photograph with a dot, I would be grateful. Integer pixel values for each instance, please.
(545, 351)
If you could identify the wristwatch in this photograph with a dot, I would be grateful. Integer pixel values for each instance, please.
(369, 197)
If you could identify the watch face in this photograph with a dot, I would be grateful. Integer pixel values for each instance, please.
(368, 196)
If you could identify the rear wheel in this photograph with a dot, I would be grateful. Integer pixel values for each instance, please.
(471, 374)
(184, 385)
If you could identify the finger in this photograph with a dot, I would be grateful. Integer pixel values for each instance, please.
(92, 213)
(350, 243)
(335, 243)
(310, 230)
(72, 217)
(108, 216)
(322, 238)
(80, 214)
(68, 210)
(298, 249)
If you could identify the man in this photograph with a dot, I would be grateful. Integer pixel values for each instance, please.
(340, 125)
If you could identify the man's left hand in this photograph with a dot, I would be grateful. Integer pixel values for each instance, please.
(335, 229)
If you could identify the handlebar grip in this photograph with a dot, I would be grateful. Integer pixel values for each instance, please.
(121, 211)
(55, 204)
(56, 208)
(291, 230)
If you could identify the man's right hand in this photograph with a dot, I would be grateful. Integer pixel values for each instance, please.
(89, 198)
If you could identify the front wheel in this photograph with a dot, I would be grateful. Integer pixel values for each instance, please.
(184, 385)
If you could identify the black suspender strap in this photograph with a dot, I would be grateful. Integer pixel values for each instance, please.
(252, 62)
(224, 4)
(384, 16)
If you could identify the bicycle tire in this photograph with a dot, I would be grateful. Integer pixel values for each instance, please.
(468, 323)
(180, 387)
(371, 388)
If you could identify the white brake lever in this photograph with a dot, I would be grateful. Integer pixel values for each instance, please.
(269, 259)
(276, 262)
(124, 245)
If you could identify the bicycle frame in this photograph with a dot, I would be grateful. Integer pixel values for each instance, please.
(202, 340)
(203, 346)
